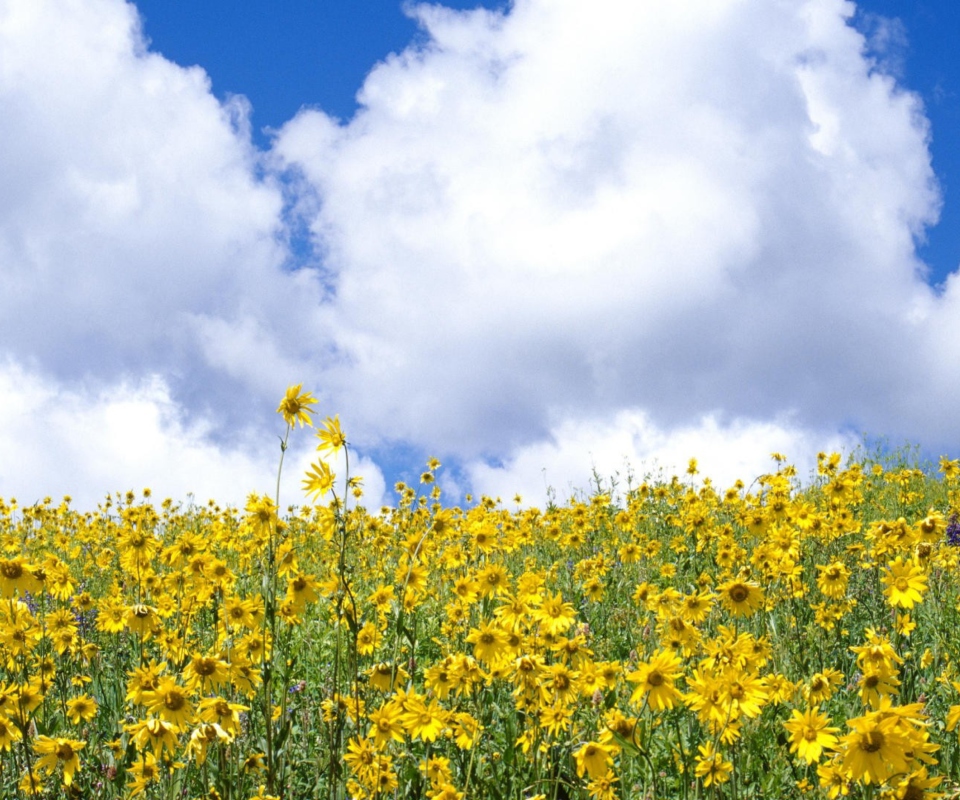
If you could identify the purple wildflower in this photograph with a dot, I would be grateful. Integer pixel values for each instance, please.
(953, 531)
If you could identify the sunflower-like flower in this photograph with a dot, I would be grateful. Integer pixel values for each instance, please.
(171, 702)
(17, 575)
(555, 615)
(810, 734)
(386, 725)
(875, 749)
(331, 436)
(319, 479)
(594, 759)
(832, 580)
(296, 406)
(56, 752)
(906, 581)
(741, 598)
(655, 680)
(711, 766)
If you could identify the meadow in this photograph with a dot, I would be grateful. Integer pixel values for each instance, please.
(658, 638)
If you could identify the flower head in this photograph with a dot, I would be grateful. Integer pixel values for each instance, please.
(655, 680)
(296, 406)
(331, 436)
(741, 598)
(56, 752)
(906, 582)
(810, 734)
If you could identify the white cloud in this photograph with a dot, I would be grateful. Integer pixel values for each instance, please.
(581, 209)
(88, 443)
(79, 441)
(665, 224)
(630, 447)
(134, 229)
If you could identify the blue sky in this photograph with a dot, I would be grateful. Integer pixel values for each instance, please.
(533, 239)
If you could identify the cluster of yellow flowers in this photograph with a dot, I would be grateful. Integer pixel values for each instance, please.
(785, 639)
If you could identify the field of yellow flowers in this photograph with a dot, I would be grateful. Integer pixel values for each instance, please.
(781, 639)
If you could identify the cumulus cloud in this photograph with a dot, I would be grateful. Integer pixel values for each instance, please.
(564, 211)
(629, 448)
(555, 229)
(137, 232)
(80, 442)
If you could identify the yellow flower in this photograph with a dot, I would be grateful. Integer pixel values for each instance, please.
(239, 612)
(362, 758)
(385, 676)
(386, 725)
(155, 734)
(9, 733)
(743, 693)
(56, 752)
(695, 608)
(905, 625)
(205, 672)
(445, 791)
(915, 786)
(82, 708)
(810, 734)
(603, 788)
(319, 480)
(331, 436)
(874, 750)
(144, 772)
(833, 779)
(711, 766)
(554, 615)
(17, 575)
(832, 580)
(876, 684)
(906, 582)
(302, 589)
(594, 759)
(423, 721)
(437, 770)
(171, 703)
(142, 680)
(488, 641)
(142, 619)
(655, 680)
(31, 783)
(439, 678)
(741, 598)
(216, 710)
(204, 735)
(27, 697)
(466, 730)
(296, 406)
(368, 639)
(950, 469)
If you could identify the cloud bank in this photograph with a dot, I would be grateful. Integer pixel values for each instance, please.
(551, 234)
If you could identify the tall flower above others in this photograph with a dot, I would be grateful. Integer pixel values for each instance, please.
(331, 436)
(296, 406)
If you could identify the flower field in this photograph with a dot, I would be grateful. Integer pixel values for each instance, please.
(784, 639)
